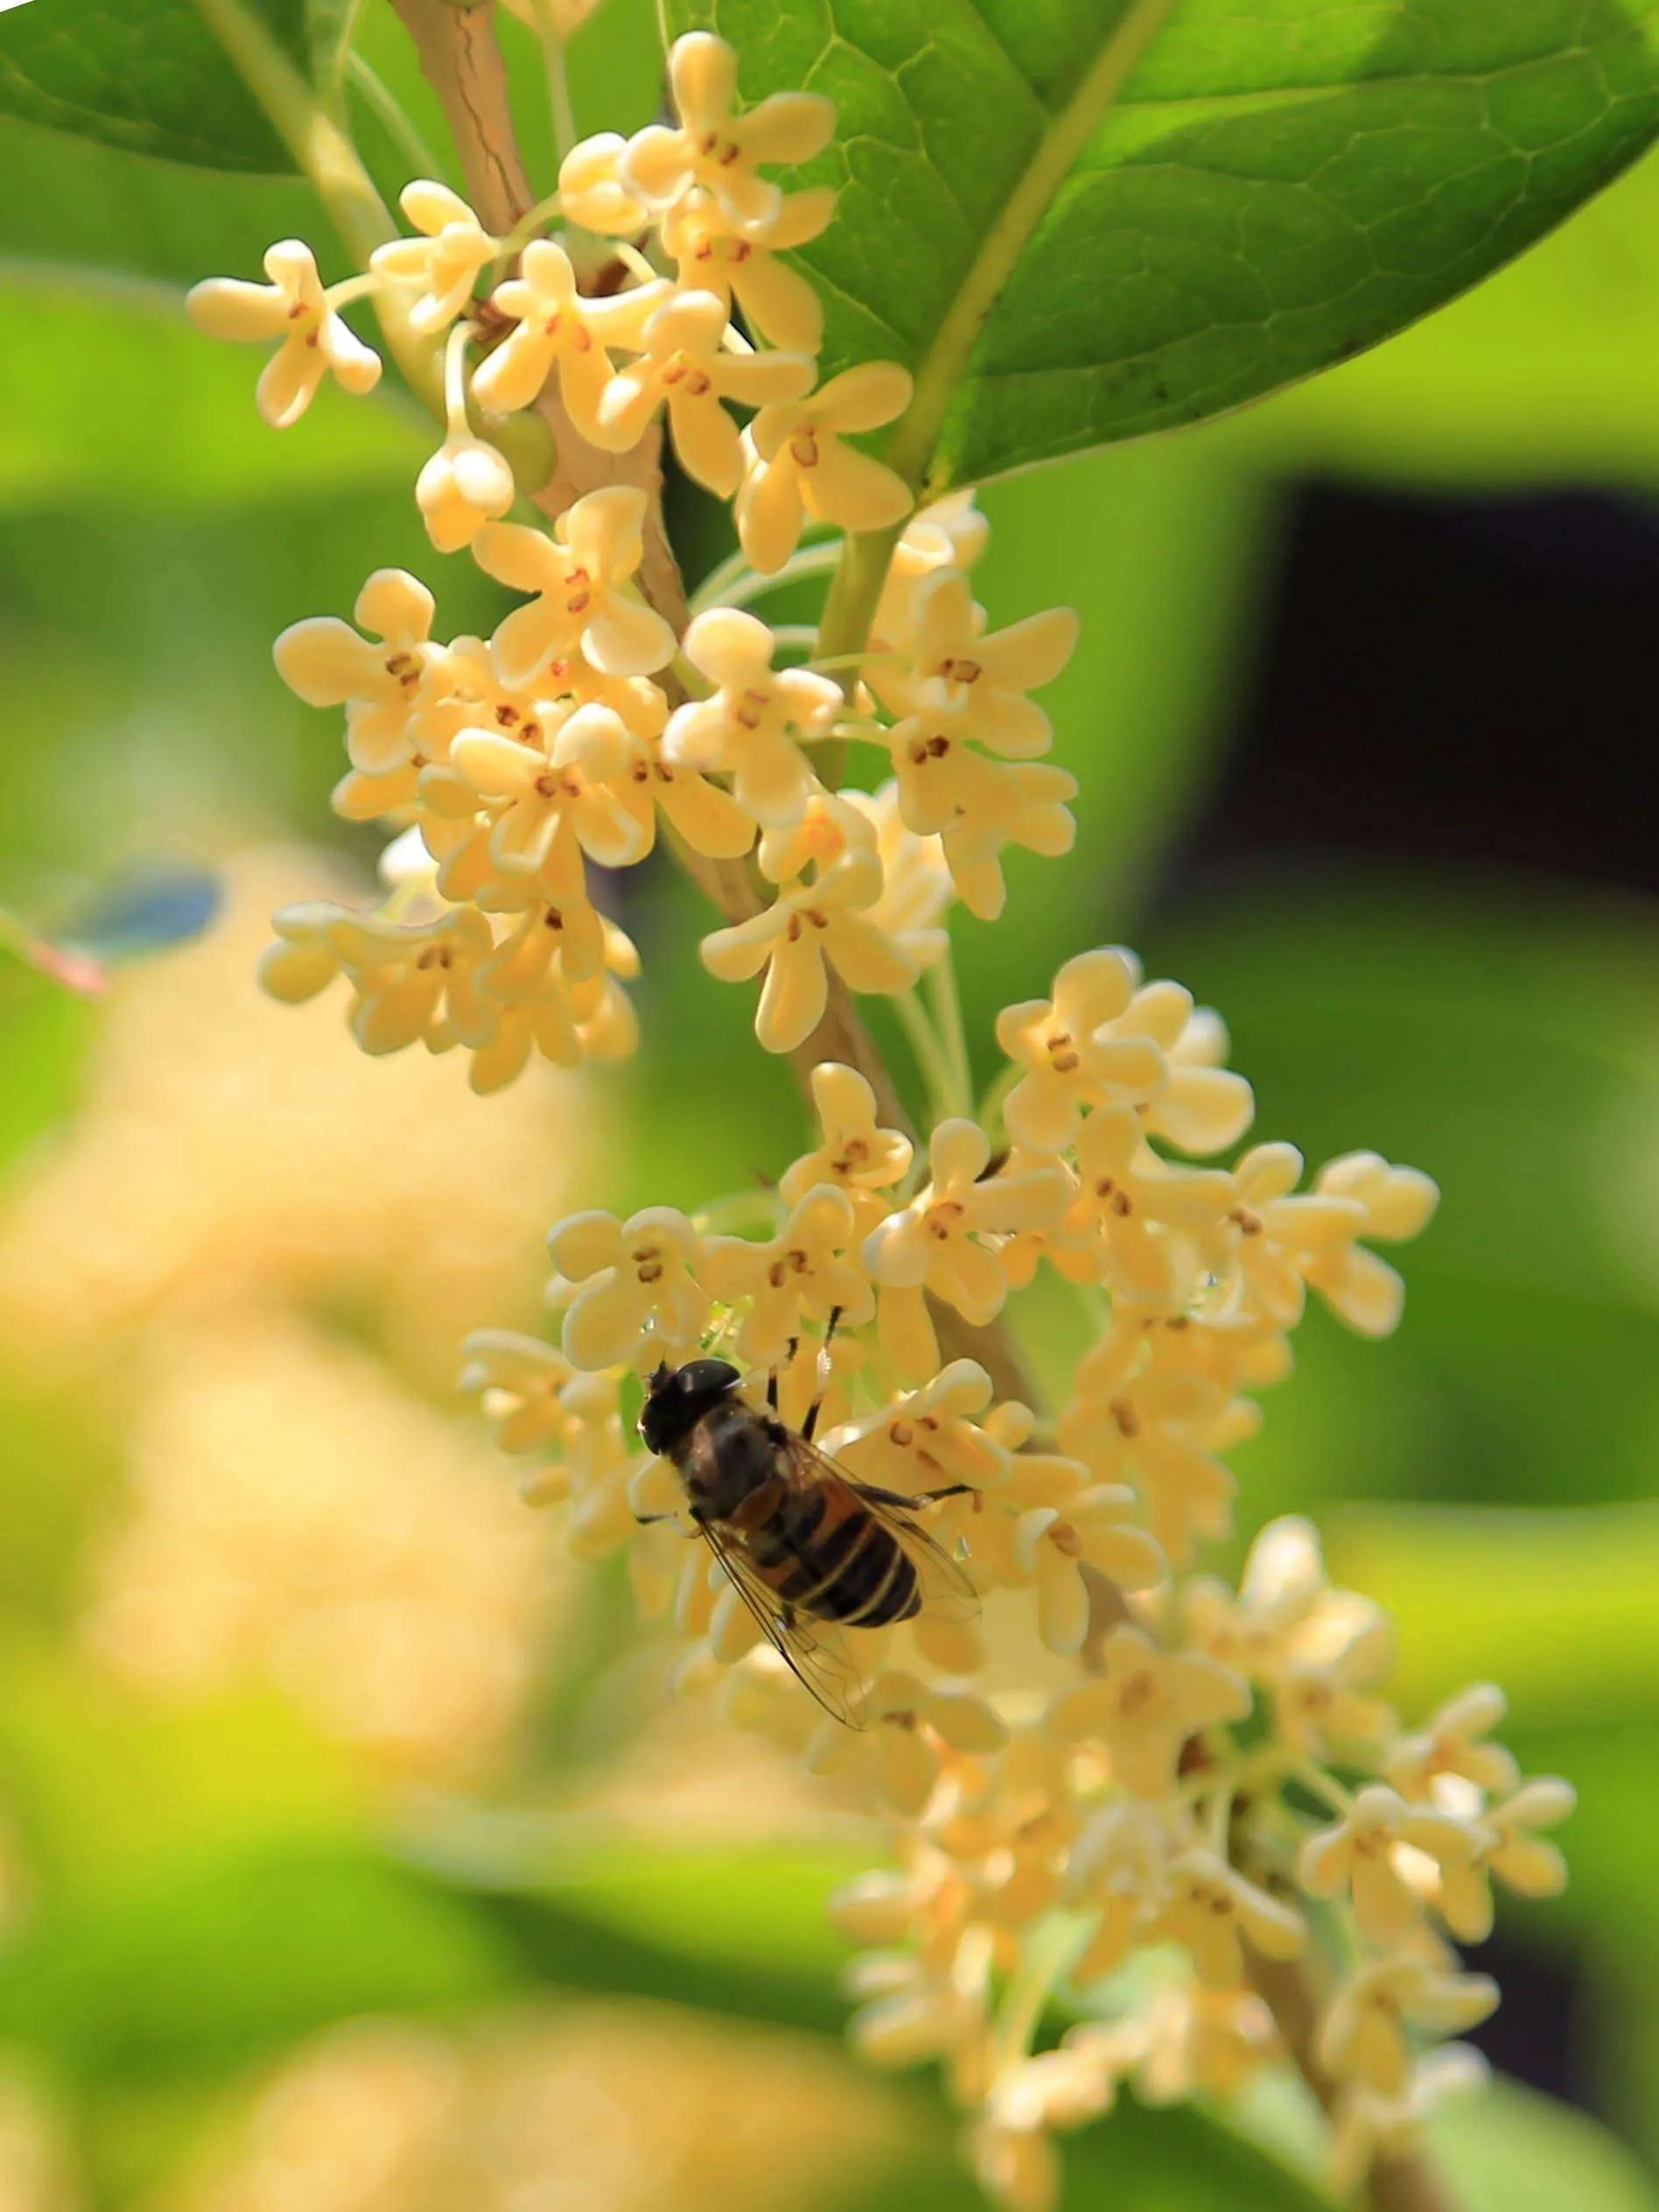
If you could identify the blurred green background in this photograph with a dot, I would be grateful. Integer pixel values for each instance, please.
(327, 1789)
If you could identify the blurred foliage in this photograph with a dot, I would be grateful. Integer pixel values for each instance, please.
(202, 1874)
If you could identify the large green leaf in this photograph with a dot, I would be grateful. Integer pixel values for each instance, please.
(1081, 221)
(147, 75)
(1544, 375)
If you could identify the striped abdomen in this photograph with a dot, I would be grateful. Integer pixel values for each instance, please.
(821, 1551)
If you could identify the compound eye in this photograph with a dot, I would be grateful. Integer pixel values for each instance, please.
(706, 1377)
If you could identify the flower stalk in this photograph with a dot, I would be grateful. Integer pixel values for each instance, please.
(1042, 1835)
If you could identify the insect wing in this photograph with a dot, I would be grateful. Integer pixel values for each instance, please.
(814, 1653)
(946, 1588)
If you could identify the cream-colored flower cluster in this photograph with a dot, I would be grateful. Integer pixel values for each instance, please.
(1224, 1759)
(523, 760)
(1177, 1790)
(1220, 1762)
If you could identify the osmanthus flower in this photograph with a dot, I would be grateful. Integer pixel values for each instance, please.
(411, 983)
(584, 599)
(1363, 2036)
(752, 726)
(1274, 1241)
(1095, 1528)
(912, 2008)
(591, 191)
(546, 947)
(293, 308)
(715, 150)
(1115, 1869)
(854, 1154)
(684, 367)
(1367, 2127)
(916, 883)
(803, 1271)
(1143, 1706)
(1025, 803)
(704, 815)
(379, 679)
(976, 682)
(1211, 1910)
(629, 1289)
(1067, 1060)
(443, 262)
(466, 483)
(1317, 1651)
(1011, 2146)
(739, 262)
(949, 534)
(570, 1422)
(561, 333)
(1452, 1745)
(1270, 1231)
(826, 830)
(946, 1240)
(558, 789)
(1126, 1420)
(1358, 1287)
(519, 1380)
(927, 1437)
(802, 465)
(911, 1728)
(1506, 1845)
(1191, 2042)
(1361, 1857)
(791, 939)
(1146, 1212)
(1203, 1106)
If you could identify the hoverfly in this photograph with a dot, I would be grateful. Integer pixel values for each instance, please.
(806, 1544)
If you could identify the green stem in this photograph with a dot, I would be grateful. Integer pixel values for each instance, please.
(1318, 1784)
(947, 1014)
(343, 57)
(930, 1060)
(558, 102)
(734, 583)
(848, 612)
(995, 1097)
(379, 98)
(324, 154)
(529, 225)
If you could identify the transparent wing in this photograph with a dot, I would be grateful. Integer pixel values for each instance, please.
(813, 1650)
(945, 1585)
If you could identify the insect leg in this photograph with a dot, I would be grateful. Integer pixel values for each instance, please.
(878, 1497)
(649, 1521)
(812, 1411)
(789, 1350)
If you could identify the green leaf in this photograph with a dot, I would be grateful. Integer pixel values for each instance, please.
(1544, 375)
(1509, 2150)
(102, 1788)
(1557, 1605)
(147, 75)
(1080, 220)
(231, 1958)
